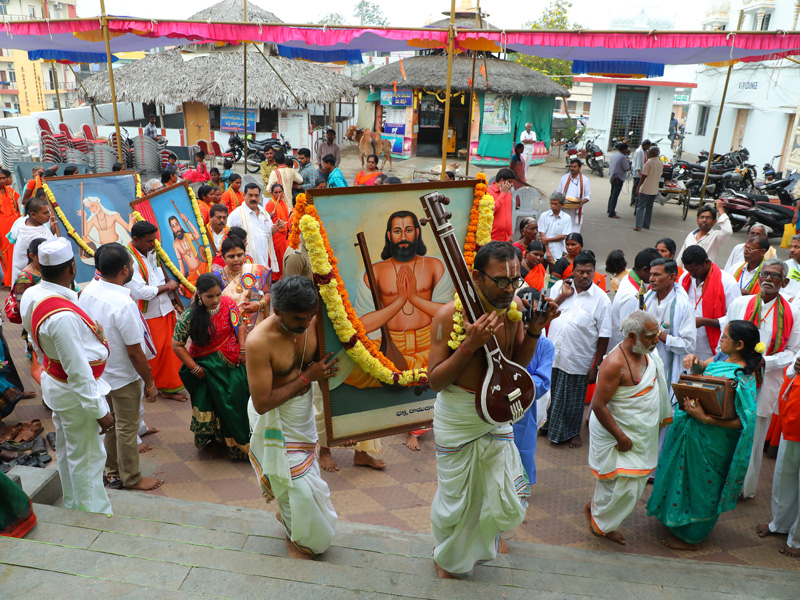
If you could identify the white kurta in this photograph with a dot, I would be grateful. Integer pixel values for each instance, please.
(711, 242)
(158, 305)
(702, 346)
(24, 236)
(527, 154)
(792, 289)
(767, 396)
(77, 404)
(482, 488)
(745, 277)
(625, 303)
(675, 318)
(737, 257)
(259, 235)
(551, 225)
(283, 455)
(639, 411)
(573, 190)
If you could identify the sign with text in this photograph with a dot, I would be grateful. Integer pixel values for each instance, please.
(232, 119)
(293, 125)
(496, 114)
(398, 98)
(747, 86)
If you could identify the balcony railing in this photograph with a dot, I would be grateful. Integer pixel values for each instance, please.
(62, 85)
(12, 85)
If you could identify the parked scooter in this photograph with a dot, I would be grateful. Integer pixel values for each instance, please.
(595, 158)
(773, 215)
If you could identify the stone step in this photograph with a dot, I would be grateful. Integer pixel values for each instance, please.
(360, 539)
(41, 485)
(383, 561)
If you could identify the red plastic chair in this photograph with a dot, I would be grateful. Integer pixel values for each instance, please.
(45, 125)
(218, 153)
(88, 133)
(75, 142)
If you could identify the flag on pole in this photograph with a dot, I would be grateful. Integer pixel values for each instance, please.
(402, 70)
(482, 71)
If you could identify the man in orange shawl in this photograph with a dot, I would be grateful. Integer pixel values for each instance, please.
(9, 212)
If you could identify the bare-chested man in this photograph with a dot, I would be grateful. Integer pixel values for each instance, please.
(482, 486)
(104, 223)
(630, 404)
(412, 288)
(280, 369)
(185, 249)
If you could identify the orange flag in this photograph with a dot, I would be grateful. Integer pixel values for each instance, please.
(394, 84)
(482, 71)
(402, 70)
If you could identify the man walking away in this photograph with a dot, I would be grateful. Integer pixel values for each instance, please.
(649, 181)
(639, 158)
(618, 172)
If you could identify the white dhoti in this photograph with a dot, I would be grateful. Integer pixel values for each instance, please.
(482, 488)
(754, 468)
(621, 476)
(283, 454)
(81, 457)
(786, 493)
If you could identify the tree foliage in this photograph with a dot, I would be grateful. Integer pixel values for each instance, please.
(369, 13)
(332, 19)
(554, 17)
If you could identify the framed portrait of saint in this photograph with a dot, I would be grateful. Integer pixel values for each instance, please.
(396, 281)
(97, 208)
(180, 233)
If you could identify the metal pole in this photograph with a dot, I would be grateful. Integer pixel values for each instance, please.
(244, 50)
(719, 118)
(104, 21)
(478, 22)
(58, 96)
(451, 36)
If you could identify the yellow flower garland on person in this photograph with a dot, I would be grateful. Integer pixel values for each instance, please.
(165, 260)
(67, 225)
(199, 216)
(364, 352)
(459, 333)
(138, 186)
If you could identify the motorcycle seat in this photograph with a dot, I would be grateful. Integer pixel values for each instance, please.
(754, 197)
(787, 211)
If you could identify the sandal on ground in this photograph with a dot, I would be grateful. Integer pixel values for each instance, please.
(29, 431)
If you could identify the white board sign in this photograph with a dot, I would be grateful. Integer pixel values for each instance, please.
(293, 125)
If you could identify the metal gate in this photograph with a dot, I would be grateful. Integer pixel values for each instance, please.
(629, 111)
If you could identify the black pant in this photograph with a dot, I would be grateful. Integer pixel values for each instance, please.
(633, 191)
(616, 188)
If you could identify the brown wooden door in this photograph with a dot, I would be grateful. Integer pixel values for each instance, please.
(739, 128)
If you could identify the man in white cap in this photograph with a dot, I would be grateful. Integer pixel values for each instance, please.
(73, 352)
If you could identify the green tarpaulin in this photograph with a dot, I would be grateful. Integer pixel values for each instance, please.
(536, 109)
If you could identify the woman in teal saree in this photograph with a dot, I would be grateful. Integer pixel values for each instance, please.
(16, 511)
(702, 465)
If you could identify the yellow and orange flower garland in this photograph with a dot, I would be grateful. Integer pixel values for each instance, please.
(166, 260)
(203, 233)
(364, 352)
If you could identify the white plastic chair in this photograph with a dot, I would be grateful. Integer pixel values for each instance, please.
(528, 197)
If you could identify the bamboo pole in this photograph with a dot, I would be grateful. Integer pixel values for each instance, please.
(451, 36)
(104, 21)
(478, 22)
(244, 51)
(719, 118)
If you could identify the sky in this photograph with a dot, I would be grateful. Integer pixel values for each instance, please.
(505, 14)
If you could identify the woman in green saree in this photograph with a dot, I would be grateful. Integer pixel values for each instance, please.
(213, 368)
(702, 466)
(16, 511)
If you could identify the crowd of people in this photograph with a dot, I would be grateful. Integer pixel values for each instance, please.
(244, 354)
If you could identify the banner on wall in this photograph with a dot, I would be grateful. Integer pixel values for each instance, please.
(496, 114)
(232, 119)
(293, 125)
(399, 98)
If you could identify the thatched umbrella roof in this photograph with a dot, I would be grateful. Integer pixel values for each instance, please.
(216, 78)
(505, 77)
(233, 10)
(460, 23)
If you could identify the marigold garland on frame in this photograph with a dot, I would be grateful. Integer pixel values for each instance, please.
(365, 352)
(203, 233)
(165, 260)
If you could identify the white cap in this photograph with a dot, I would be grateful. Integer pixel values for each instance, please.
(55, 252)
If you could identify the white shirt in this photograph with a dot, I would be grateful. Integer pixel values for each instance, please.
(584, 319)
(525, 136)
(158, 305)
(551, 225)
(218, 238)
(674, 316)
(745, 277)
(711, 242)
(259, 234)
(66, 338)
(737, 257)
(24, 237)
(775, 364)
(573, 187)
(637, 163)
(626, 302)
(110, 306)
(702, 346)
(792, 289)
(288, 176)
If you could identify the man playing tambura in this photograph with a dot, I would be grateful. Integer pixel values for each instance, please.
(280, 369)
(482, 486)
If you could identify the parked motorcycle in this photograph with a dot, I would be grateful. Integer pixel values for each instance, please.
(257, 148)
(757, 208)
(770, 174)
(595, 158)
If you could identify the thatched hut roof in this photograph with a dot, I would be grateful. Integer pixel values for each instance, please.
(233, 10)
(460, 23)
(216, 78)
(505, 76)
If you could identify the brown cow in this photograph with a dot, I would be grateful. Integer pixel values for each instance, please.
(370, 143)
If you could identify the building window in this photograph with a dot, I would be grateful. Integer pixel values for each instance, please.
(587, 107)
(32, 11)
(702, 120)
(572, 105)
(765, 22)
(558, 105)
(3, 9)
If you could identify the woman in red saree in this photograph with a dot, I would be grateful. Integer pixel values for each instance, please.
(563, 267)
(213, 368)
(368, 175)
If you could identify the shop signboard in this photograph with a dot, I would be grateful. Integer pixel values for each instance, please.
(293, 126)
(399, 98)
(232, 119)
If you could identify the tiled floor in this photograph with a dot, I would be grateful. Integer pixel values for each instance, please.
(401, 495)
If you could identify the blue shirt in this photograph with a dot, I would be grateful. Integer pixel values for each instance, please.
(526, 430)
(336, 179)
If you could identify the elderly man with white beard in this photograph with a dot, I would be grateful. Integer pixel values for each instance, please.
(630, 404)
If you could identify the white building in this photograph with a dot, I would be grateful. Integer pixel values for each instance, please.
(761, 106)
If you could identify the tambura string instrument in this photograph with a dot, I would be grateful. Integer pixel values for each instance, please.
(506, 390)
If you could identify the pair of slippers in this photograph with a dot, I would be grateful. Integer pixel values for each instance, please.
(21, 435)
(29, 460)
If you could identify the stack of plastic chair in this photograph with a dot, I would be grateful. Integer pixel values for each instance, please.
(46, 126)
(10, 154)
(49, 148)
(164, 158)
(146, 156)
(104, 158)
(127, 152)
(78, 143)
(88, 134)
(76, 157)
